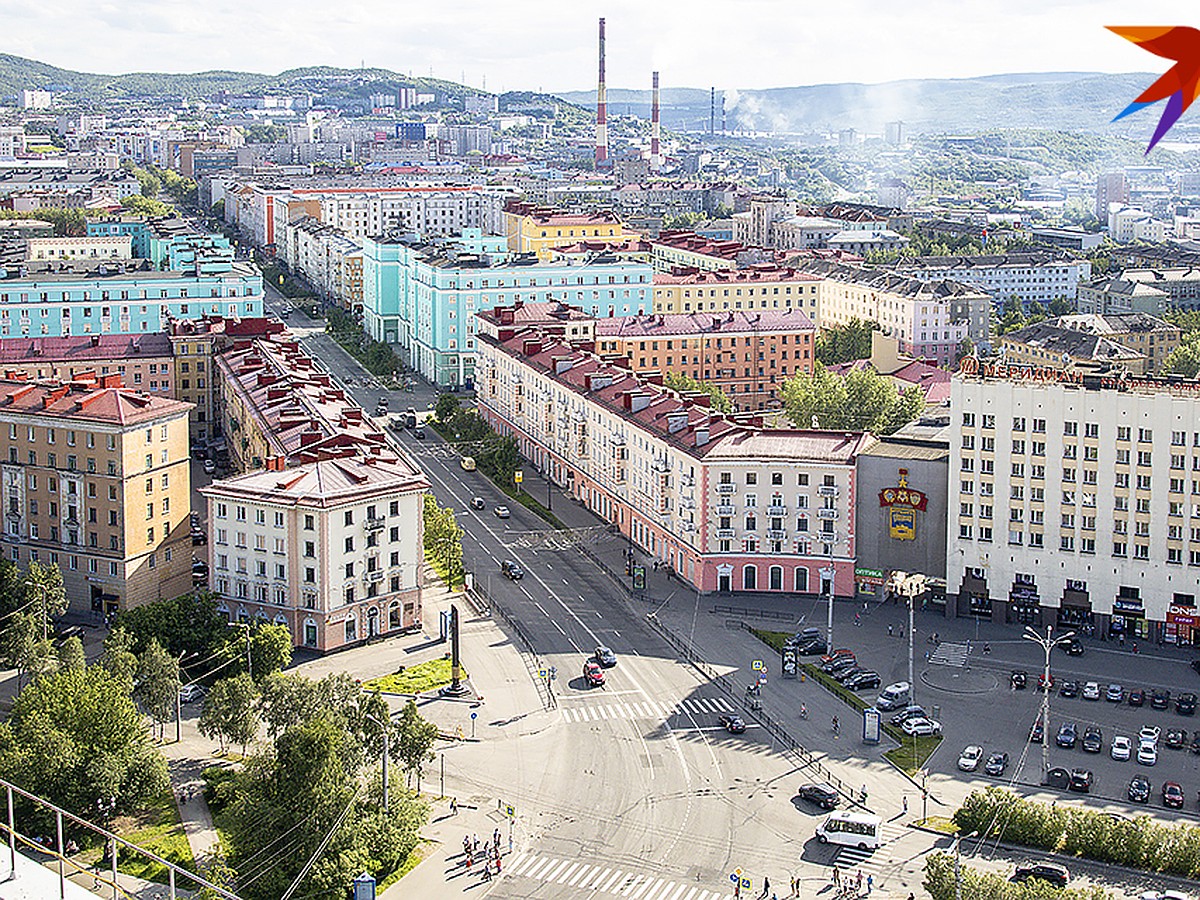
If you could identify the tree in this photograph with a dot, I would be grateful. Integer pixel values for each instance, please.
(413, 741)
(1184, 360)
(188, 626)
(145, 206)
(845, 343)
(447, 405)
(20, 639)
(861, 400)
(158, 683)
(45, 594)
(71, 655)
(230, 714)
(270, 650)
(679, 381)
(443, 540)
(286, 701)
(118, 657)
(76, 739)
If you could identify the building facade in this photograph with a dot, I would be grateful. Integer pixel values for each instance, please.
(96, 479)
(539, 230)
(761, 287)
(1029, 277)
(331, 549)
(1078, 501)
(727, 505)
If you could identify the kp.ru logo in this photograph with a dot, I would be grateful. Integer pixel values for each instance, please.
(1178, 85)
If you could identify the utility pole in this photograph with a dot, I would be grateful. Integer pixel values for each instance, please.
(1047, 643)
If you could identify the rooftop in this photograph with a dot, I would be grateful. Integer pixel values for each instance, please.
(326, 482)
(1115, 323)
(1073, 344)
(86, 400)
(662, 324)
(988, 261)
(748, 275)
(83, 347)
(892, 282)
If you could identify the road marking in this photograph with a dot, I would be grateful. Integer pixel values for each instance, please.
(617, 876)
(559, 627)
(533, 870)
(522, 861)
(567, 874)
(554, 870)
(580, 874)
(541, 608)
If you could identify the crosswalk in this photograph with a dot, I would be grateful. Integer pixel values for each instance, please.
(582, 876)
(645, 709)
(950, 653)
(851, 859)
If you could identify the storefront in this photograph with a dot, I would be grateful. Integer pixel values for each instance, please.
(973, 596)
(1183, 625)
(1024, 603)
(1128, 620)
(1076, 609)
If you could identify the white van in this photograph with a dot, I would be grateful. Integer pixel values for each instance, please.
(894, 696)
(850, 829)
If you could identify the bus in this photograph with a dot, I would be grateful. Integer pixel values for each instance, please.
(850, 829)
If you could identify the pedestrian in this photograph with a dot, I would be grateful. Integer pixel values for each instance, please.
(889, 629)
(454, 806)
(864, 793)
(837, 876)
(858, 881)
(496, 839)
(870, 882)
(469, 857)
(901, 632)
(857, 619)
(904, 806)
(475, 843)
(1122, 639)
(766, 885)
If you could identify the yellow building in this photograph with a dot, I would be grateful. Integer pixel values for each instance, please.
(726, 290)
(96, 480)
(535, 229)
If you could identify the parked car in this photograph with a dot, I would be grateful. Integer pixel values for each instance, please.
(1069, 689)
(1018, 679)
(209, 467)
(189, 693)
(1175, 738)
(1081, 781)
(478, 503)
(1185, 704)
(1073, 647)
(863, 680)
(1114, 694)
(734, 724)
(1172, 795)
(1122, 748)
(996, 764)
(840, 667)
(593, 675)
(1058, 778)
(921, 727)
(821, 794)
(511, 570)
(1195, 746)
(605, 657)
(1093, 739)
(813, 647)
(841, 654)
(1091, 691)
(1160, 699)
(1054, 873)
(502, 512)
(909, 712)
(1042, 683)
(1138, 790)
(419, 432)
(1067, 735)
(968, 760)
(1137, 697)
(199, 537)
(1036, 734)
(467, 463)
(1149, 733)
(845, 673)
(1147, 753)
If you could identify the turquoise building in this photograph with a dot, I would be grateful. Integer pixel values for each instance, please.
(169, 243)
(423, 296)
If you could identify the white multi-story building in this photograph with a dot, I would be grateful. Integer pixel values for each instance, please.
(327, 257)
(727, 506)
(331, 549)
(1030, 277)
(1127, 224)
(12, 141)
(1078, 501)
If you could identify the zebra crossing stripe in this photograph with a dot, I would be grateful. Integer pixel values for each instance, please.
(554, 870)
(594, 879)
(515, 865)
(617, 876)
(725, 707)
(634, 889)
(533, 863)
(603, 712)
(562, 879)
(694, 894)
(581, 873)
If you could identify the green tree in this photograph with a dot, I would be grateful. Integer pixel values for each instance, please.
(20, 639)
(146, 206)
(45, 595)
(188, 626)
(443, 540)
(270, 650)
(157, 685)
(118, 656)
(861, 400)
(680, 381)
(845, 343)
(447, 405)
(76, 739)
(71, 655)
(286, 701)
(218, 209)
(412, 744)
(1184, 360)
(230, 713)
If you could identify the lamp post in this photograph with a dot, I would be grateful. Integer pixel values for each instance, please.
(827, 574)
(384, 729)
(1047, 643)
(909, 586)
(957, 871)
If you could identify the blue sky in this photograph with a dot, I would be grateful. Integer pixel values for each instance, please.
(532, 44)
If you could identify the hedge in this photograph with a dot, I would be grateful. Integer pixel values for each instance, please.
(1137, 843)
(976, 885)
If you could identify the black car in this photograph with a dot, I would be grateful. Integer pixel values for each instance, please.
(821, 794)
(1160, 699)
(199, 536)
(839, 666)
(1175, 738)
(1081, 781)
(864, 680)
(1137, 697)
(1093, 740)
(734, 724)
(1036, 734)
(1018, 679)
(814, 647)
(1195, 747)
(1067, 735)
(419, 433)
(1139, 789)
(1074, 647)
(511, 570)
(1058, 778)
(1185, 704)
(844, 675)
(1044, 871)
(996, 764)
(1069, 689)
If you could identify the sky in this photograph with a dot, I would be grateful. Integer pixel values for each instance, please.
(550, 45)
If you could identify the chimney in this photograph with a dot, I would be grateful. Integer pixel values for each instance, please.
(655, 155)
(712, 110)
(702, 436)
(601, 112)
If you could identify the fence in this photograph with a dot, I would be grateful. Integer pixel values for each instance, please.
(754, 613)
(775, 726)
(532, 664)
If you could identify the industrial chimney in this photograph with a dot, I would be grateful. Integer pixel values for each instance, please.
(655, 155)
(712, 110)
(601, 112)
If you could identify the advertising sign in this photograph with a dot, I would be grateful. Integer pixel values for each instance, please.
(871, 725)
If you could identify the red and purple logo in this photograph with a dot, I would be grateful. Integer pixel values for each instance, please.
(1179, 85)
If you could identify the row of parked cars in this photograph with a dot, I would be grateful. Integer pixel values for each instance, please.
(1155, 698)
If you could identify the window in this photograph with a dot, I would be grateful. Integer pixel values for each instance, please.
(749, 578)
(310, 550)
(309, 523)
(1122, 432)
(1070, 429)
(751, 478)
(349, 545)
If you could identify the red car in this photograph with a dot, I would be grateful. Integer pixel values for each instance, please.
(593, 675)
(1041, 682)
(1172, 795)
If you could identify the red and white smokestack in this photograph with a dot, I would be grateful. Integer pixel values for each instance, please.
(655, 155)
(601, 111)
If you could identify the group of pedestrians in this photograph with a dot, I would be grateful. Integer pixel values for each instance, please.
(488, 856)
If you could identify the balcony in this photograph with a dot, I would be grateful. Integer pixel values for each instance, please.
(776, 510)
(373, 577)
(827, 490)
(376, 524)
(827, 513)
(724, 510)
(724, 534)
(776, 535)
(726, 488)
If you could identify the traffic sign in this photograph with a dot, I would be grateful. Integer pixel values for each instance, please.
(518, 476)
(756, 665)
(474, 715)
(762, 679)
(542, 673)
(510, 810)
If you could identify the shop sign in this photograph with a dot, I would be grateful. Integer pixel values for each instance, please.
(1134, 606)
(1183, 615)
(863, 574)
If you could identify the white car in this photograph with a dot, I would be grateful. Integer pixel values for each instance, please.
(1149, 733)
(190, 692)
(1091, 691)
(1147, 753)
(969, 761)
(919, 727)
(1122, 747)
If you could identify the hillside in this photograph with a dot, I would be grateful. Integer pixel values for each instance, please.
(1069, 101)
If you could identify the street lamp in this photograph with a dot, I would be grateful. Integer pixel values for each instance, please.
(1047, 643)
(957, 871)
(909, 586)
(384, 729)
(827, 574)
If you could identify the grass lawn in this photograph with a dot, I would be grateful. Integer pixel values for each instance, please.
(910, 756)
(160, 831)
(414, 679)
(418, 853)
(441, 570)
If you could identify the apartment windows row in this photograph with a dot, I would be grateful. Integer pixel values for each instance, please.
(776, 478)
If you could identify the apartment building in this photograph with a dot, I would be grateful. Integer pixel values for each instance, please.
(686, 249)
(331, 549)
(1029, 277)
(277, 408)
(761, 287)
(328, 258)
(1058, 347)
(144, 361)
(424, 296)
(79, 248)
(96, 479)
(930, 319)
(1079, 501)
(748, 355)
(539, 230)
(1149, 336)
(727, 504)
